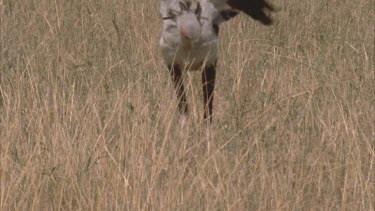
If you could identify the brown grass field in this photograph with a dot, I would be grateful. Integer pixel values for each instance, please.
(89, 120)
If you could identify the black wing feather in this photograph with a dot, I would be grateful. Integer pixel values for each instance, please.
(253, 8)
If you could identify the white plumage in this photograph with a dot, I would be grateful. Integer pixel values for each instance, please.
(191, 52)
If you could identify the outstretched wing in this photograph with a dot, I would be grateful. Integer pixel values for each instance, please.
(254, 8)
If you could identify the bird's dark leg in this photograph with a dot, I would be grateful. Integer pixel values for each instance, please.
(208, 80)
(176, 75)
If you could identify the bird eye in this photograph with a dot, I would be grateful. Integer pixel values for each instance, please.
(171, 14)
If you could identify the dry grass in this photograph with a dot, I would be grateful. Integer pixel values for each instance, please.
(87, 121)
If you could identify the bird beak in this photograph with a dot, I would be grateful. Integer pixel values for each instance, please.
(185, 34)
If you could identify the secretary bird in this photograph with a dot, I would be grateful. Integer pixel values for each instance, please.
(190, 36)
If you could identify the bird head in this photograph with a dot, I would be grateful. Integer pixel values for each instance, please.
(188, 20)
